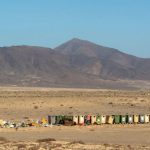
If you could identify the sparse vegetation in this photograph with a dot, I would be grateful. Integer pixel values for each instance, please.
(34, 148)
(110, 103)
(36, 107)
(21, 146)
(106, 145)
(92, 129)
(51, 143)
(76, 142)
(26, 117)
(46, 140)
(2, 139)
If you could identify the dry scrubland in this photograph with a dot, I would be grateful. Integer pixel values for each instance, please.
(25, 103)
(21, 103)
(51, 144)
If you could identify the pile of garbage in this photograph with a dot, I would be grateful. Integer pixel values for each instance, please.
(29, 123)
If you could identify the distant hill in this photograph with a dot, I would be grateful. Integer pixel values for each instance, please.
(104, 62)
(76, 63)
(36, 66)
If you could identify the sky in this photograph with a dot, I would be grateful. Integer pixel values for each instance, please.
(120, 24)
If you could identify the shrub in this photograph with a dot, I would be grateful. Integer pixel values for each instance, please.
(46, 140)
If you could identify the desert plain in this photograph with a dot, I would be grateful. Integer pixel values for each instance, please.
(34, 103)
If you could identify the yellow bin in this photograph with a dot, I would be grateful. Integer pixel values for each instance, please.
(147, 119)
(136, 118)
(110, 119)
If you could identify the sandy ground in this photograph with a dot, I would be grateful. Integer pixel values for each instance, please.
(89, 137)
(19, 104)
(50, 144)
(22, 103)
(115, 134)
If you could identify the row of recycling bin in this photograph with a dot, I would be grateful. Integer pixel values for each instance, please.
(98, 119)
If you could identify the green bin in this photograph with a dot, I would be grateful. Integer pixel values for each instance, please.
(124, 119)
(98, 119)
(68, 120)
(117, 119)
(60, 119)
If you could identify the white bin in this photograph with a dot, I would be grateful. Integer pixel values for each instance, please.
(93, 119)
(130, 119)
(75, 120)
(142, 118)
(103, 119)
(81, 120)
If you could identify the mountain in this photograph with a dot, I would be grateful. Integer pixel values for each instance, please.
(104, 62)
(76, 63)
(38, 66)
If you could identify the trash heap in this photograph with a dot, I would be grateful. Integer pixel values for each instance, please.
(28, 123)
(77, 120)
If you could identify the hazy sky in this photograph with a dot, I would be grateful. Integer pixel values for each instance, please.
(121, 24)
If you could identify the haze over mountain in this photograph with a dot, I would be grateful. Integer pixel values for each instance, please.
(76, 63)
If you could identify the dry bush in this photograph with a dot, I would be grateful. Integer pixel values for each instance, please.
(106, 145)
(21, 146)
(129, 146)
(36, 107)
(46, 140)
(117, 146)
(110, 103)
(56, 145)
(92, 129)
(26, 117)
(3, 139)
(34, 148)
(77, 142)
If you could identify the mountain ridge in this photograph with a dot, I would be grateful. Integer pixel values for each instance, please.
(110, 58)
(76, 63)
